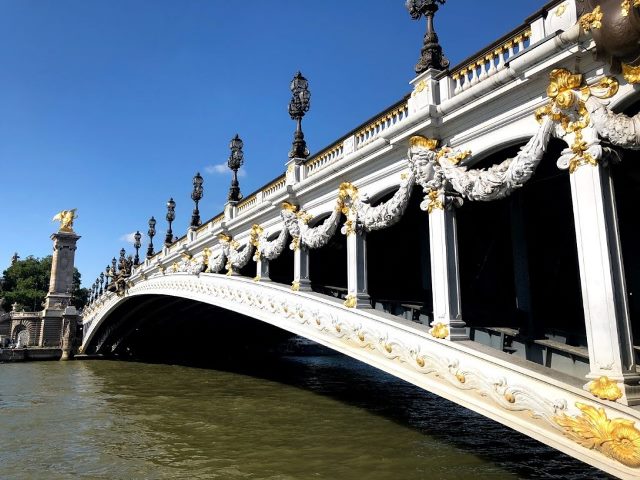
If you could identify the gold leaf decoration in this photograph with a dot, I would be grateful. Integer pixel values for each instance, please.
(605, 389)
(350, 301)
(631, 74)
(295, 286)
(439, 330)
(618, 438)
(434, 201)
(419, 141)
(591, 20)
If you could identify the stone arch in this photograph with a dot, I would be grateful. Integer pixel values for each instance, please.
(519, 274)
(21, 335)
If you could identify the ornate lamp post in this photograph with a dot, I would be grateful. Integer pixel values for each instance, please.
(114, 262)
(123, 252)
(298, 106)
(101, 283)
(171, 216)
(236, 159)
(432, 56)
(137, 237)
(107, 272)
(196, 196)
(151, 232)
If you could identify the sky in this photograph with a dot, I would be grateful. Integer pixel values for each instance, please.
(111, 106)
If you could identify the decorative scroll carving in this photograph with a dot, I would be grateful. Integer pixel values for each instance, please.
(618, 438)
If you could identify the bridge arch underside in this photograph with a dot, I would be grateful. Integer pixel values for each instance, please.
(181, 330)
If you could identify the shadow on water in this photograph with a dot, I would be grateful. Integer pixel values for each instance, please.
(353, 383)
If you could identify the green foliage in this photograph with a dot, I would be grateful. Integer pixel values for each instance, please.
(26, 282)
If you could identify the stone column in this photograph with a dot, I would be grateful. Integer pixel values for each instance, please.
(445, 278)
(60, 287)
(357, 292)
(301, 280)
(262, 270)
(604, 298)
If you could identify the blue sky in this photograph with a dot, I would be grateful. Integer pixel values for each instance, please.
(111, 106)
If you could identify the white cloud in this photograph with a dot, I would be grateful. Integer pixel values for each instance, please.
(223, 169)
(129, 238)
(220, 168)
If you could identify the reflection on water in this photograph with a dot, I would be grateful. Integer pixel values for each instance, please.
(293, 418)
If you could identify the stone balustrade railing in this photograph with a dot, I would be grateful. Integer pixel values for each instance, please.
(374, 128)
(324, 158)
(491, 60)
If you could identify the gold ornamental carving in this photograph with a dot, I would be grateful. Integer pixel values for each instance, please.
(351, 301)
(254, 235)
(295, 286)
(66, 218)
(631, 74)
(420, 87)
(616, 438)
(434, 201)
(419, 141)
(439, 330)
(605, 389)
(591, 20)
(625, 6)
(566, 91)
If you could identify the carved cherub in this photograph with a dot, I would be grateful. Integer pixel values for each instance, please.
(66, 218)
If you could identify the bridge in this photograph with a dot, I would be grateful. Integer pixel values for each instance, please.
(475, 239)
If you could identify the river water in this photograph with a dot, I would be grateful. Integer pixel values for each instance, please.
(324, 417)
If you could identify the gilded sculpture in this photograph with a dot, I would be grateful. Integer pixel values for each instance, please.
(567, 108)
(66, 218)
(591, 20)
(617, 438)
(605, 389)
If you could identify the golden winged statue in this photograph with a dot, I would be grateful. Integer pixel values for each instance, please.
(66, 218)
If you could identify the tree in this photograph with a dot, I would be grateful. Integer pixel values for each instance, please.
(26, 282)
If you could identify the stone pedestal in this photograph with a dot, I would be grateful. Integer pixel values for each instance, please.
(60, 287)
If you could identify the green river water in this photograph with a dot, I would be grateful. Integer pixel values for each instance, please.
(324, 417)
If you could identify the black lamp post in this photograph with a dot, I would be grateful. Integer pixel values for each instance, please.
(196, 196)
(136, 244)
(432, 56)
(123, 252)
(101, 282)
(171, 216)
(151, 232)
(107, 272)
(114, 262)
(298, 106)
(236, 159)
